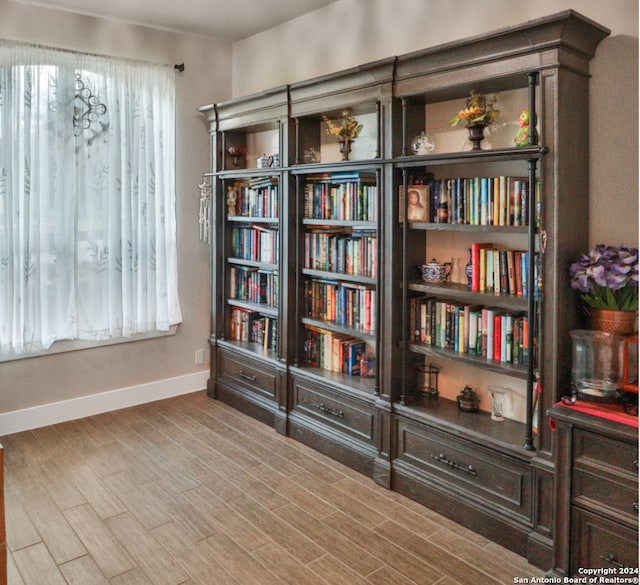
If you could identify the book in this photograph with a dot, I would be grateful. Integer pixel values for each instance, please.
(354, 351)
(475, 264)
(511, 275)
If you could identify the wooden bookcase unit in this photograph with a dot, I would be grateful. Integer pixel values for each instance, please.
(495, 477)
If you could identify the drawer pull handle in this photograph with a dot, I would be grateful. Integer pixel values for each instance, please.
(328, 410)
(635, 464)
(467, 469)
(635, 507)
(611, 559)
(245, 376)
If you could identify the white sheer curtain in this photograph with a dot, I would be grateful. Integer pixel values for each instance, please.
(87, 198)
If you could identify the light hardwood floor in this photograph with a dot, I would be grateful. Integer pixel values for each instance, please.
(188, 491)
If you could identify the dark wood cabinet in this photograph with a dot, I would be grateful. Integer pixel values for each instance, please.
(596, 492)
(495, 477)
(3, 535)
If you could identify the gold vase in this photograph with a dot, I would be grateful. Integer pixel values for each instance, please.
(345, 148)
(612, 320)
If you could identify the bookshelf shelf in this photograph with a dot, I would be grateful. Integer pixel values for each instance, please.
(257, 307)
(462, 293)
(475, 361)
(340, 276)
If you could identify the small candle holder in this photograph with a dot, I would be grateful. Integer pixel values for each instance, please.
(428, 380)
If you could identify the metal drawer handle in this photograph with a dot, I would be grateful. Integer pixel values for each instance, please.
(243, 374)
(635, 507)
(611, 558)
(635, 464)
(328, 410)
(442, 459)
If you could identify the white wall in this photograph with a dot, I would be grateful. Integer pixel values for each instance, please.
(73, 376)
(350, 32)
(343, 34)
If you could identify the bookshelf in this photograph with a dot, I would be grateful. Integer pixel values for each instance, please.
(334, 378)
(325, 252)
(250, 288)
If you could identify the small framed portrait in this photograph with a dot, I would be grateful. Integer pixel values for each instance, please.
(417, 203)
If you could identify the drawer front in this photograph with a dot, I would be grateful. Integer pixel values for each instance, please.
(609, 455)
(612, 495)
(478, 473)
(344, 414)
(602, 543)
(238, 371)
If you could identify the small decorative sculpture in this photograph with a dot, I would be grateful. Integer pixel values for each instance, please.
(522, 136)
(236, 152)
(204, 214)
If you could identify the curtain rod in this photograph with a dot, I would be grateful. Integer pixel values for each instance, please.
(178, 66)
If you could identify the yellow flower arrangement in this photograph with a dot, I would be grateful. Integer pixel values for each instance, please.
(478, 110)
(344, 128)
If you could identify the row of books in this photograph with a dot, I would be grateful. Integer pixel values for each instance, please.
(334, 352)
(343, 303)
(255, 243)
(252, 326)
(503, 271)
(254, 285)
(498, 201)
(354, 253)
(341, 196)
(257, 198)
(489, 332)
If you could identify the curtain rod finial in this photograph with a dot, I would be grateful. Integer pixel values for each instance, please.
(179, 67)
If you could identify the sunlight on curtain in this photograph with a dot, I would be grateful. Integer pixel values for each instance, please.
(87, 198)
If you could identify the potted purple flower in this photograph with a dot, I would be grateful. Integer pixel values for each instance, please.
(607, 278)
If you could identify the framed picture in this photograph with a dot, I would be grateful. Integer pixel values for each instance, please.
(417, 203)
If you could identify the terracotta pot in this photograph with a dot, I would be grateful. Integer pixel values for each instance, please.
(612, 321)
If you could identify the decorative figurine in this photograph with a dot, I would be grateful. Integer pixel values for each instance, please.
(522, 136)
(236, 152)
(232, 196)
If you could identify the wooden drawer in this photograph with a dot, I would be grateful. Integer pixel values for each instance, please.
(601, 543)
(605, 455)
(333, 409)
(605, 476)
(240, 371)
(482, 475)
(611, 496)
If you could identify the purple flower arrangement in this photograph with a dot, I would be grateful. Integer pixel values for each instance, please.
(607, 277)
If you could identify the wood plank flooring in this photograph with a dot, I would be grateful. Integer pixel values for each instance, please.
(188, 491)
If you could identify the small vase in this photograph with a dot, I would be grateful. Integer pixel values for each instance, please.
(345, 148)
(612, 321)
(468, 270)
(476, 135)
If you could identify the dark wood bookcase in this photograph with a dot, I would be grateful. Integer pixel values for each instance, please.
(495, 477)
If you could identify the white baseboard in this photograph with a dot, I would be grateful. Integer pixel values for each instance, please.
(57, 412)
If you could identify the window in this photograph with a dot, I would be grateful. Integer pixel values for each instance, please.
(87, 198)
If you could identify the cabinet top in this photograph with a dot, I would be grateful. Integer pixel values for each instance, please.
(593, 420)
(566, 38)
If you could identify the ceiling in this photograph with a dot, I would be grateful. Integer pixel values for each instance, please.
(229, 20)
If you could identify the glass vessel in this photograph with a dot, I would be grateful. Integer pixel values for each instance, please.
(595, 365)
